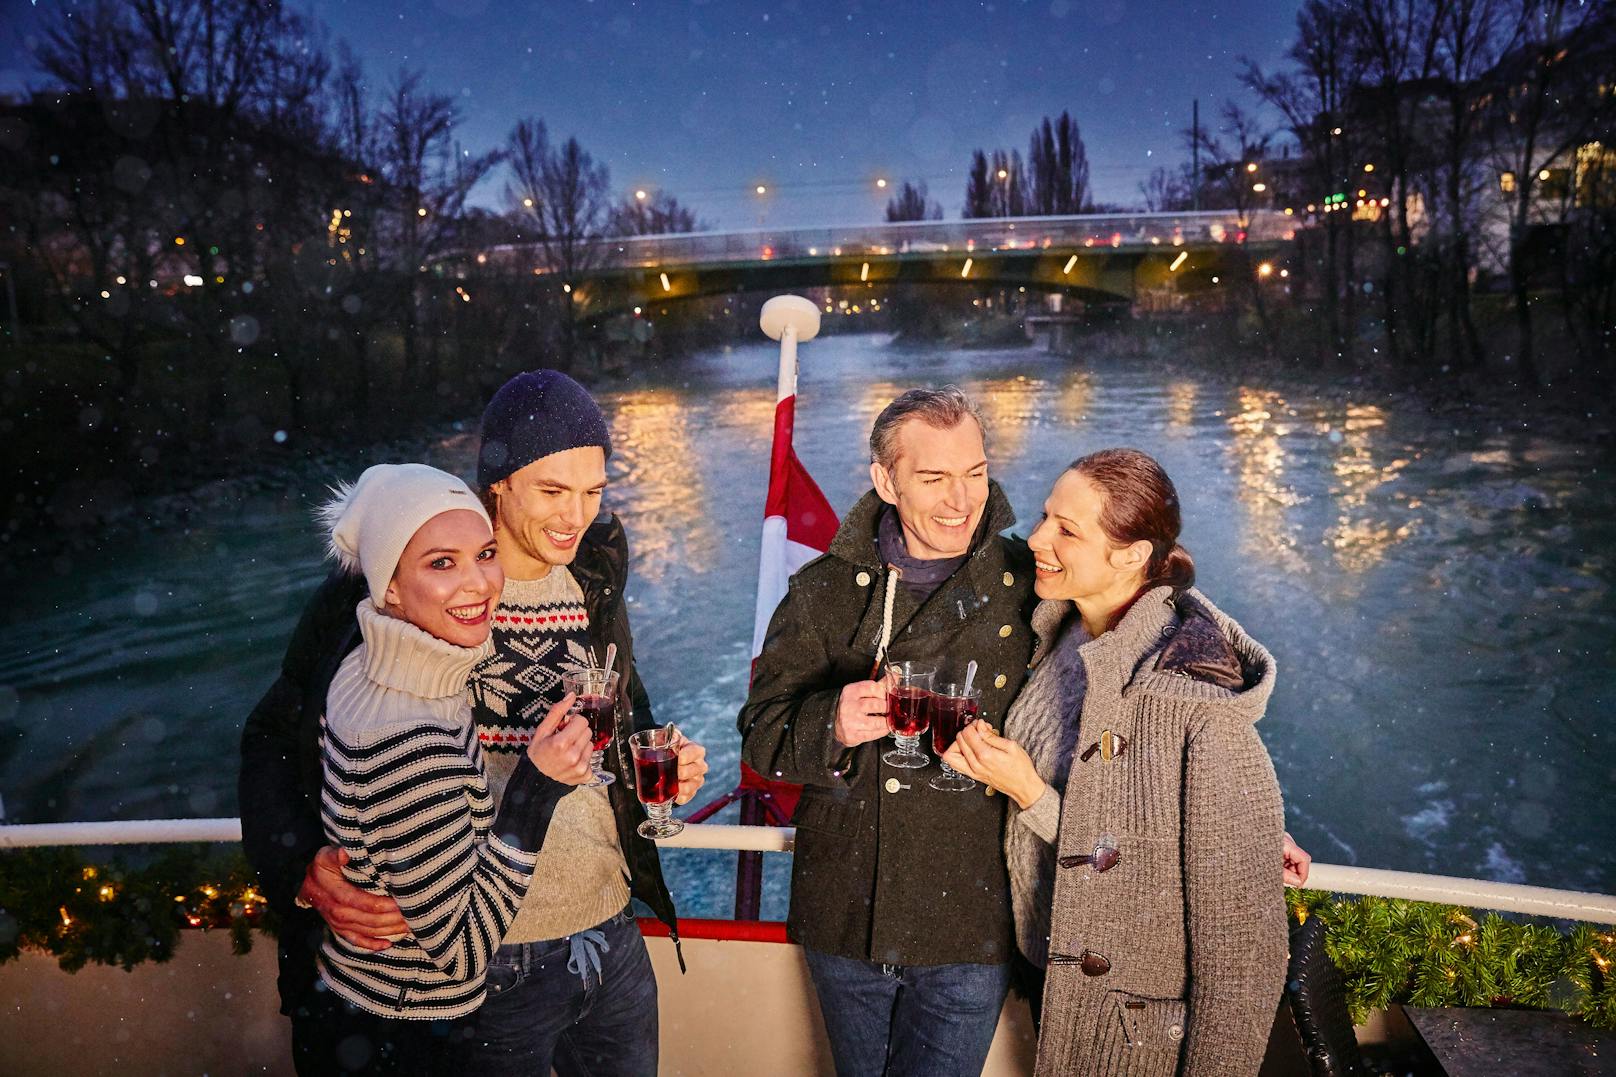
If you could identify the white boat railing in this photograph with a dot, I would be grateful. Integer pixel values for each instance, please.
(1335, 878)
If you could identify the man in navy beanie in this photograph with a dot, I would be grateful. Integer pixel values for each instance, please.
(571, 986)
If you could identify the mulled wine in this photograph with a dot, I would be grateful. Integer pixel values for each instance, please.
(594, 694)
(909, 711)
(949, 715)
(599, 712)
(656, 771)
(954, 707)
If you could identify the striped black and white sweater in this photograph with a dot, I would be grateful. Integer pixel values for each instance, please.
(405, 795)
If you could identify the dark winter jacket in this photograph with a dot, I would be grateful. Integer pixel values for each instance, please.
(885, 868)
(280, 750)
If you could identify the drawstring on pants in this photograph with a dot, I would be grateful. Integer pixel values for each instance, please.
(587, 946)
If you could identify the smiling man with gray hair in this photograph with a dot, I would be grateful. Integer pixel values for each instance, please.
(899, 894)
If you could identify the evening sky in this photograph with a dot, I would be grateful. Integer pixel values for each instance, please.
(708, 99)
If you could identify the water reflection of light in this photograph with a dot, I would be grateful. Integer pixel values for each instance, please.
(749, 410)
(1359, 538)
(659, 484)
(1260, 470)
(877, 394)
(1009, 407)
(1181, 406)
(1077, 396)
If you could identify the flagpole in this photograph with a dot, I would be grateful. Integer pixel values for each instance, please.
(790, 319)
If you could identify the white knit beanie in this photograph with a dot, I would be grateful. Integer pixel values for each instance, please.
(372, 520)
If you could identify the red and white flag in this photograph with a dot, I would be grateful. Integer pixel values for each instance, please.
(798, 523)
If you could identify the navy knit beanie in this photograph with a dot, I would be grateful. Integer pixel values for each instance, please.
(537, 413)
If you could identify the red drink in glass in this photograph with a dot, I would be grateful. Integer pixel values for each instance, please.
(594, 693)
(909, 710)
(949, 715)
(656, 770)
(599, 712)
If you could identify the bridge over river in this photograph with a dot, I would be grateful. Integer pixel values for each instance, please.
(1098, 257)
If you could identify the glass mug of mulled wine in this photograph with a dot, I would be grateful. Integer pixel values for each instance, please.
(656, 778)
(596, 703)
(909, 709)
(953, 707)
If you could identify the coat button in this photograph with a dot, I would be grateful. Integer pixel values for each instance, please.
(1176, 1032)
(1009, 580)
(1004, 631)
(862, 579)
(1000, 681)
(893, 785)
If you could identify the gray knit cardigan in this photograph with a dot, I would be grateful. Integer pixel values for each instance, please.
(1191, 921)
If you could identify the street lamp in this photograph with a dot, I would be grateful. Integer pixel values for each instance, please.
(640, 194)
(881, 183)
(761, 189)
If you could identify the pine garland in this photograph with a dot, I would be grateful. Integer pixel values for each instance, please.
(1390, 950)
(51, 900)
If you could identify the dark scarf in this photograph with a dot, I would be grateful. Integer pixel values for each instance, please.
(920, 578)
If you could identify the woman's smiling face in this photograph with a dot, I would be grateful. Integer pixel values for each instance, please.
(448, 579)
(1075, 559)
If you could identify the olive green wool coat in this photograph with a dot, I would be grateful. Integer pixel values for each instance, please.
(885, 868)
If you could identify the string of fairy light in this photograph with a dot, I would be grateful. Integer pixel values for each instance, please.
(193, 905)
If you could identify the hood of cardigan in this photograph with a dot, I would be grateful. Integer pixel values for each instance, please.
(1177, 645)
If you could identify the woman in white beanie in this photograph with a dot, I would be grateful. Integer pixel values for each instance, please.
(404, 791)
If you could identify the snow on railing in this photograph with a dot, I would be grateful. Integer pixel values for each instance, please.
(1336, 878)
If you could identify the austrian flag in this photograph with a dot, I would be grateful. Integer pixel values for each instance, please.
(798, 523)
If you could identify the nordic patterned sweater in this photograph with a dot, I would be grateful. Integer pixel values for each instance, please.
(541, 630)
(404, 795)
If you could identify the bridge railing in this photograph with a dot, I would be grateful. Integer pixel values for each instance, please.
(964, 238)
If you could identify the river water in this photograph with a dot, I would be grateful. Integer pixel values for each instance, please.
(1437, 591)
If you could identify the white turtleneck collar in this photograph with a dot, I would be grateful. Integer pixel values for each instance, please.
(408, 659)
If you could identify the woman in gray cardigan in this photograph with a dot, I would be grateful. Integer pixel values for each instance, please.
(1145, 809)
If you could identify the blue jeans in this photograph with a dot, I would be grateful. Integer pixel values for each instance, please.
(586, 1004)
(897, 1020)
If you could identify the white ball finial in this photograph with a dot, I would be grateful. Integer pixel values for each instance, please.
(790, 311)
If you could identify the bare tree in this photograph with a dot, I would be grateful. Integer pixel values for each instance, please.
(1549, 98)
(1469, 39)
(1059, 167)
(656, 214)
(208, 143)
(1228, 160)
(429, 179)
(1398, 42)
(1313, 98)
(1165, 191)
(912, 204)
(978, 188)
(562, 193)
